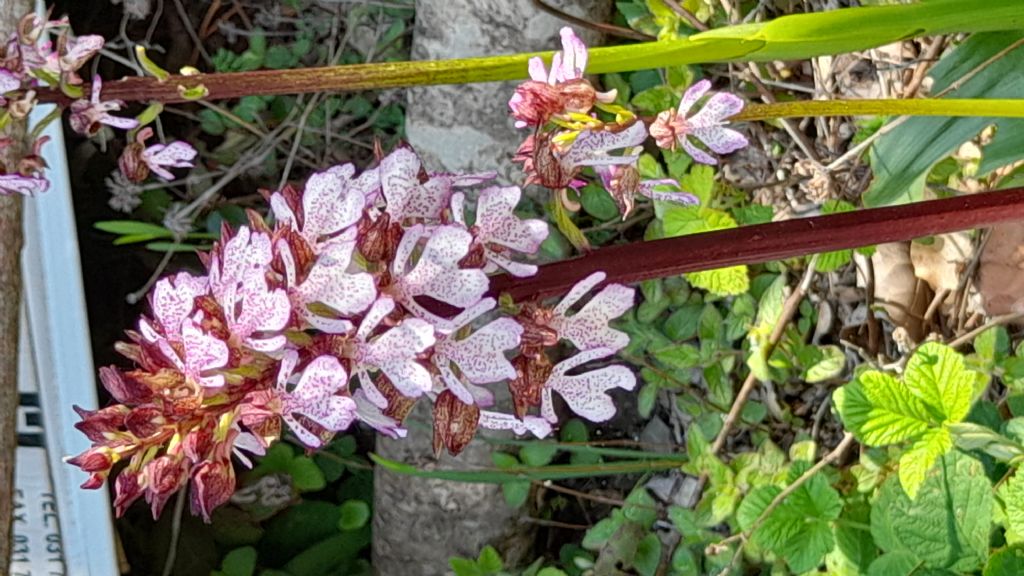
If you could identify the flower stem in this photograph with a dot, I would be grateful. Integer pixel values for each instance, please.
(790, 37)
(911, 107)
(639, 261)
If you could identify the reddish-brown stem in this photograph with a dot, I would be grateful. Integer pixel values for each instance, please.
(639, 261)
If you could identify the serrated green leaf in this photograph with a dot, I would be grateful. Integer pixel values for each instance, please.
(830, 366)
(921, 456)
(602, 532)
(1006, 562)
(1012, 494)
(640, 507)
(880, 410)
(947, 526)
(729, 281)
(799, 529)
(936, 374)
(854, 544)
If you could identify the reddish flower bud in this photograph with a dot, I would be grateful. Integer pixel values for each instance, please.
(379, 239)
(132, 164)
(93, 460)
(526, 387)
(164, 476)
(213, 483)
(124, 390)
(126, 491)
(535, 103)
(100, 425)
(454, 423)
(144, 421)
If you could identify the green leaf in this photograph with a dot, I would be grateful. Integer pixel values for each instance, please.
(936, 374)
(682, 324)
(700, 181)
(354, 515)
(648, 555)
(538, 453)
(768, 313)
(947, 526)
(239, 562)
(133, 228)
(728, 281)
(902, 158)
(306, 475)
(992, 345)
(640, 507)
(880, 410)
(646, 399)
(654, 100)
(680, 357)
(602, 532)
(854, 544)
(799, 530)
(464, 567)
(598, 203)
(830, 366)
(921, 456)
(1012, 494)
(754, 214)
(516, 493)
(1006, 562)
(489, 560)
(894, 564)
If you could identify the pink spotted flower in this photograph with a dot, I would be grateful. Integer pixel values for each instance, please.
(562, 90)
(314, 398)
(498, 231)
(89, 116)
(586, 393)
(138, 160)
(675, 127)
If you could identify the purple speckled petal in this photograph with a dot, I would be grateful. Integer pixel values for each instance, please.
(373, 317)
(481, 356)
(589, 328)
(174, 155)
(437, 273)
(118, 122)
(323, 377)
(574, 56)
(721, 139)
(173, 300)
(394, 353)
(203, 352)
(578, 291)
(717, 110)
(498, 223)
(539, 427)
(697, 154)
(372, 416)
(282, 212)
(78, 50)
(592, 147)
(262, 310)
(333, 285)
(517, 269)
(586, 393)
(8, 81)
(692, 95)
(314, 397)
(328, 206)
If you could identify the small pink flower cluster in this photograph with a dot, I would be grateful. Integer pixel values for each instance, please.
(561, 107)
(29, 60)
(368, 293)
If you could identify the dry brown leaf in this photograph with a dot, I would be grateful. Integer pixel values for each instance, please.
(942, 263)
(1001, 270)
(898, 289)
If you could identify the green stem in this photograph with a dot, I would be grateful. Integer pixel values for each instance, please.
(791, 37)
(984, 107)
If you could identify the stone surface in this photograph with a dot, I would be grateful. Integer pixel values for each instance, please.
(419, 523)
